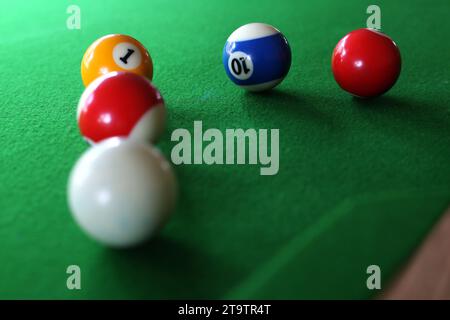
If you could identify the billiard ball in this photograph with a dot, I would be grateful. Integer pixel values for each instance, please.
(121, 192)
(366, 63)
(256, 57)
(115, 52)
(121, 104)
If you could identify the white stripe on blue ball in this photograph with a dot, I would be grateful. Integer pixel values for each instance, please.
(252, 31)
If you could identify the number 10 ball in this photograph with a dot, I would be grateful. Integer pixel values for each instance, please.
(257, 57)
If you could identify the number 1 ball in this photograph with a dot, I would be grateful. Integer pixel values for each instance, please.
(115, 52)
(366, 63)
(257, 57)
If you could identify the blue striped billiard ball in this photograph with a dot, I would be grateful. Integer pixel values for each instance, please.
(257, 57)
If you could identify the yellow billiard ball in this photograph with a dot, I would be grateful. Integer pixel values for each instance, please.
(115, 52)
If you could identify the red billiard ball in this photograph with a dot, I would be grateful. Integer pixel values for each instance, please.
(121, 104)
(366, 63)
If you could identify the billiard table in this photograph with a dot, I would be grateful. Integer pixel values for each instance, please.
(360, 182)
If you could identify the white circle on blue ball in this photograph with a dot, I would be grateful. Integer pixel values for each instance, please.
(240, 65)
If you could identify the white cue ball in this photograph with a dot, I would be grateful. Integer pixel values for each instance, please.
(121, 192)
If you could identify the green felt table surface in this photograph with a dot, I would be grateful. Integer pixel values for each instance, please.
(361, 182)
